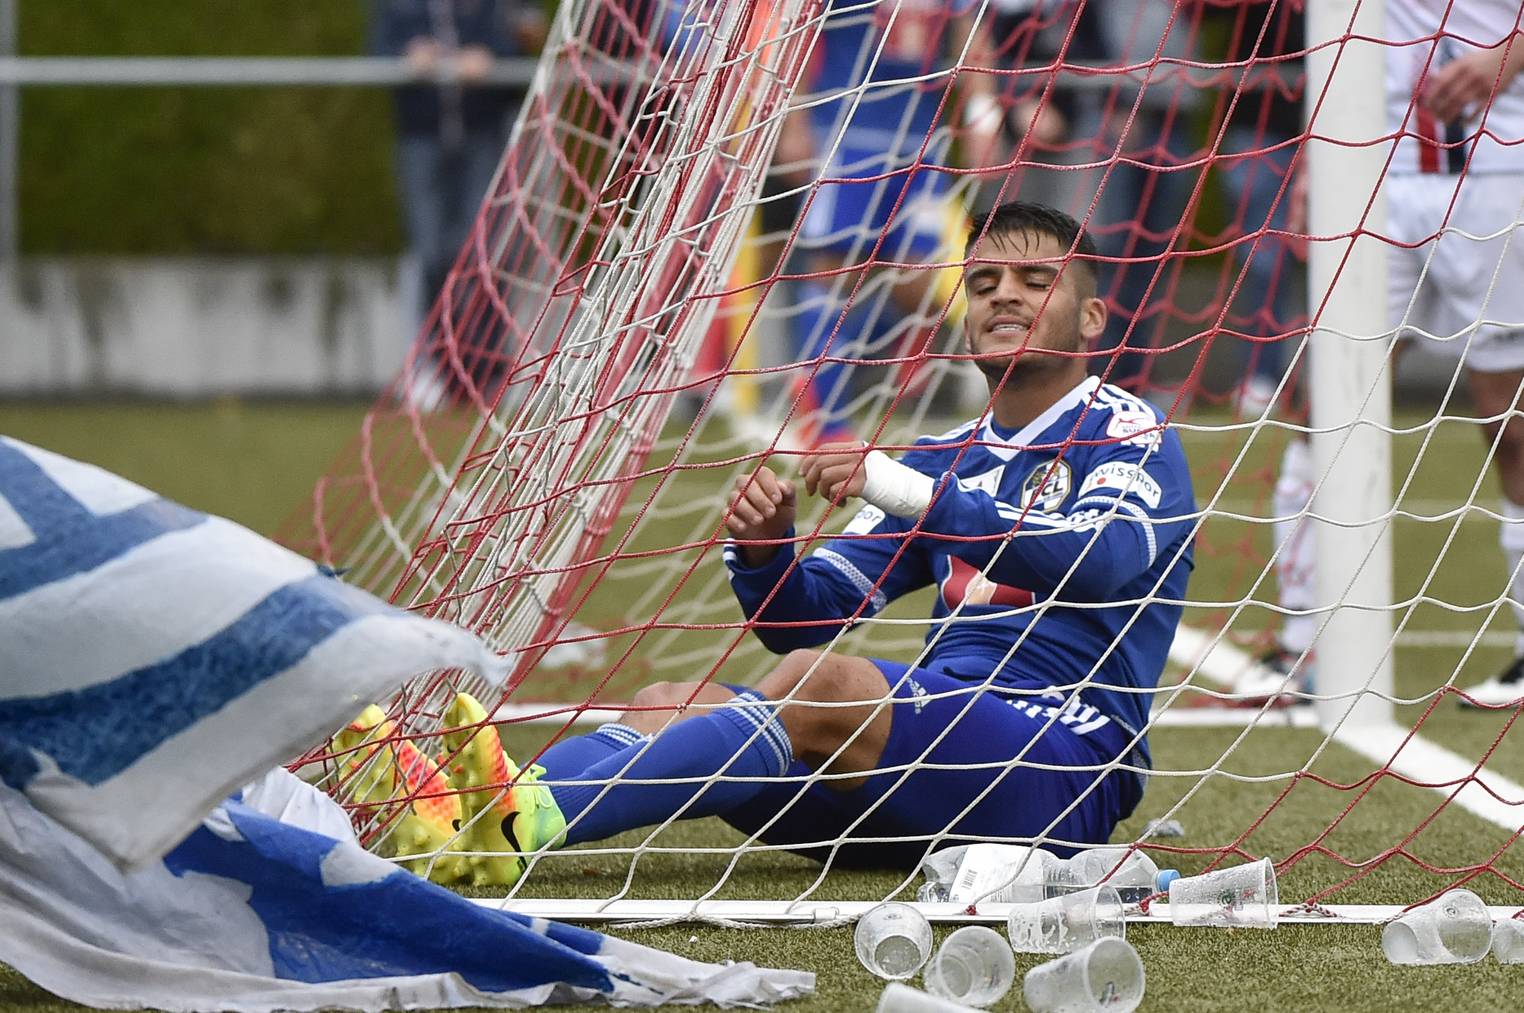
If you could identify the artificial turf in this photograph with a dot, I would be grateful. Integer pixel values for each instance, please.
(254, 461)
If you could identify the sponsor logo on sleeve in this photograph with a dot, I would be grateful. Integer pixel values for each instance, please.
(1129, 479)
(1137, 428)
(866, 520)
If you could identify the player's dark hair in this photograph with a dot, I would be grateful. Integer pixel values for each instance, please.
(1035, 220)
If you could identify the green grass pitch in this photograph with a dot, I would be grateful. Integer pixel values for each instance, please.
(254, 462)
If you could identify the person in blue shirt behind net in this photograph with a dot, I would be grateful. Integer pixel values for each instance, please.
(1058, 531)
(880, 122)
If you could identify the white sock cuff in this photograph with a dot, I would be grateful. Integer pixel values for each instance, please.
(1297, 632)
(1296, 461)
(620, 733)
(1511, 530)
(754, 712)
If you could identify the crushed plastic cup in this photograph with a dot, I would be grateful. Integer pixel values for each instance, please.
(973, 966)
(893, 941)
(1104, 977)
(1067, 922)
(901, 998)
(1508, 941)
(1454, 928)
(1244, 896)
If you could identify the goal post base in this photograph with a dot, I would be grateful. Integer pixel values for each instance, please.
(826, 914)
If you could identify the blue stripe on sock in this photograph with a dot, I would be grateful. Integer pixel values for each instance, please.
(569, 757)
(701, 766)
(95, 733)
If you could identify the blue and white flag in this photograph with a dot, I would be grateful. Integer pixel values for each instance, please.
(153, 658)
(271, 905)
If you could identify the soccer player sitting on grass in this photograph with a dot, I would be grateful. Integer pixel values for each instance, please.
(1057, 529)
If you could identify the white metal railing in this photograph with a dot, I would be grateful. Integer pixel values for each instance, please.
(151, 71)
(17, 72)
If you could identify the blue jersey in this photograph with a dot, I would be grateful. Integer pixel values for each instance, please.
(1061, 553)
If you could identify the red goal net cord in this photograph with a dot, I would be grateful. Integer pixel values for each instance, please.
(669, 285)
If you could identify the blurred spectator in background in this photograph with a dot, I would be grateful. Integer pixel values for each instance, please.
(1262, 127)
(879, 136)
(1136, 144)
(451, 124)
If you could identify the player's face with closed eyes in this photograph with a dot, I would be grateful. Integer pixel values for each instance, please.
(1026, 305)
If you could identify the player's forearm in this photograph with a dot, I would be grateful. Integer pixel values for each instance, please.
(807, 607)
(1080, 557)
(1086, 563)
(1513, 60)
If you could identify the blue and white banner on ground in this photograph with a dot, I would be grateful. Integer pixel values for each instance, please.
(271, 905)
(154, 658)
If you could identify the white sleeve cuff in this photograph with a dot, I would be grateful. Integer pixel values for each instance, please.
(895, 488)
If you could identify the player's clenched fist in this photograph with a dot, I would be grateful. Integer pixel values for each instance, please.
(834, 471)
(761, 509)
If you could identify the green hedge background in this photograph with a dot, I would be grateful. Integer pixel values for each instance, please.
(217, 170)
(203, 170)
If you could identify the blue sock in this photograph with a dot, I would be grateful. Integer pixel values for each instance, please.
(603, 801)
(575, 753)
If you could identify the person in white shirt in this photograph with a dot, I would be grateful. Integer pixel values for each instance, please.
(1454, 191)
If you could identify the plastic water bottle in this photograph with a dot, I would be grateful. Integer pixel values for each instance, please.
(1135, 878)
(1015, 874)
(1003, 874)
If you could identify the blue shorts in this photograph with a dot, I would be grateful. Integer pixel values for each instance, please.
(964, 762)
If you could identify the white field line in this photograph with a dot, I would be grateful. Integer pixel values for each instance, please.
(1427, 763)
(1425, 508)
(1227, 664)
(830, 912)
(1224, 664)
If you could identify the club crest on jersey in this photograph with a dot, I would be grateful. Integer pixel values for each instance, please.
(1047, 486)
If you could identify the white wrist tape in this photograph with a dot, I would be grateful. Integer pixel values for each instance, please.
(893, 487)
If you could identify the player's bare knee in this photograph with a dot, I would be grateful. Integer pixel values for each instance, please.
(830, 704)
(658, 694)
(788, 673)
(654, 705)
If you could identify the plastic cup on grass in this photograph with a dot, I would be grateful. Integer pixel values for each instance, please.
(1066, 923)
(901, 998)
(1244, 896)
(973, 966)
(1104, 977)
(1454, 928)
(1508, 941)
(893, 941)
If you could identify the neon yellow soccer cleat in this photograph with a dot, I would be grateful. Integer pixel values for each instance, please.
(502, 825)
(372, 775)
